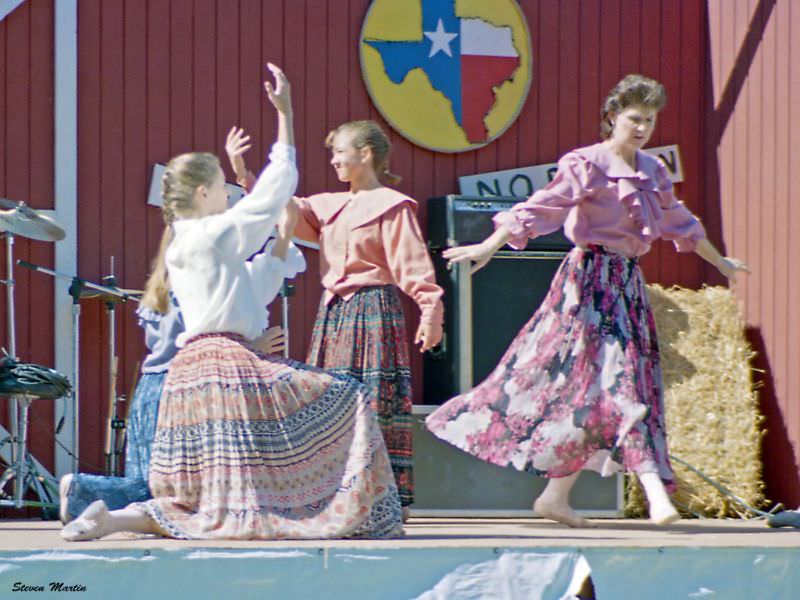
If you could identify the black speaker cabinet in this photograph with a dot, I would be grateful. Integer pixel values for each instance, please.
(483, 313)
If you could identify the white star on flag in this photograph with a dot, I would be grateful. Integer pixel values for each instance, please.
(440, 40)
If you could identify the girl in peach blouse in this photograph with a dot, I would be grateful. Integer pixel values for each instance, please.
(371, 246)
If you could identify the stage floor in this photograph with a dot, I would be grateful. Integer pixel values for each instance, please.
(438, 559)
(22, 535)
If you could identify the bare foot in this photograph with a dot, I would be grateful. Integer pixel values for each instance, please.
(91, 524)
(559, 512)
(664, 515)
(63, 491)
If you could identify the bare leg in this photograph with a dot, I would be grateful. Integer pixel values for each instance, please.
(553, 503)
(662, 512)
(97, 521)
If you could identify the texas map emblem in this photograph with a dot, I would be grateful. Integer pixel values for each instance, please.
(449, 75)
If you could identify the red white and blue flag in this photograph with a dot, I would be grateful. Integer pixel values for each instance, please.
(464, 58)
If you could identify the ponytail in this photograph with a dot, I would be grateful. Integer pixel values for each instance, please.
(156, 290)
(182, 176)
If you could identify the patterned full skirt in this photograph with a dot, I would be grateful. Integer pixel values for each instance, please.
(254, 446)
(580, 385)
(365, 337)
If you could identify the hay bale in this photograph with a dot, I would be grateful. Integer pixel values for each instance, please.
(713, 420)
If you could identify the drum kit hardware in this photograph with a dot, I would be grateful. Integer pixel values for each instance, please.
(23, 471)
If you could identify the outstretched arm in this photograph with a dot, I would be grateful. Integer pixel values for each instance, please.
(728, 266)
(480, 254)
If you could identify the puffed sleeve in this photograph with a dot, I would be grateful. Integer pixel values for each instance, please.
(409, 262)
(547, 209)
(267, 272)
(308, 225)
(239, 231)
(678, 223)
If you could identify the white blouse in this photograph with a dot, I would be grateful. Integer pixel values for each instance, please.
(217, 289)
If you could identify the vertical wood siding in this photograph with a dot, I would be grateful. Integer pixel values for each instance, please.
(754, 120)
(157, 78)
(26, 174)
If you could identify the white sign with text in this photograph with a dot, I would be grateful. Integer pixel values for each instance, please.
(522, 182)
(235, 192)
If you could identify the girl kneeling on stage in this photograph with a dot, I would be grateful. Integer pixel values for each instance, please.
(249, 446)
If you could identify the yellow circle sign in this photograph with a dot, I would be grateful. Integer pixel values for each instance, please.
(449, 75)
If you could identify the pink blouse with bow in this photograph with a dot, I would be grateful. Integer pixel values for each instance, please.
(599, 199)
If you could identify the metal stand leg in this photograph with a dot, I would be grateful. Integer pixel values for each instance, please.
(23, 472)
(75, 291)
(286, 290)
(13, 409)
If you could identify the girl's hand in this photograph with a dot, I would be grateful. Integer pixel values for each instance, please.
(236, 143)
(730, 267)
(428, 335)
(272, 341)
(280, 94)
(480, 254)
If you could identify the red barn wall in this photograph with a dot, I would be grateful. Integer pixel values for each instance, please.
(159, 78)
(754, 178)
(26, 174)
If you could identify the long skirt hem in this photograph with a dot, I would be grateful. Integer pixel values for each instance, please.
(580, 385)
(250, 446)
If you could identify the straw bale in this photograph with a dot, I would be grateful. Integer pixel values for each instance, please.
(712, 415)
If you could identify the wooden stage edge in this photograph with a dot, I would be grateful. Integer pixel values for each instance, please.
(35, 535)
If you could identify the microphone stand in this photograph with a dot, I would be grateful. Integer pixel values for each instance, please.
(287, 290)
(76, 290)
(13, 406)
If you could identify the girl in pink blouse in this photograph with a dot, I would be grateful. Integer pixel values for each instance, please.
(580, 385)
(370, 245)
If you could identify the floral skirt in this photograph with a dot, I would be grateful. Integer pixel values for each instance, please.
(365, 337)
(254, 446)
(118, 492)
(580, 385)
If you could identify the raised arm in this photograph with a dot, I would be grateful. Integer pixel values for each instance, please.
(236, 144)
(280, 95)
(242, 228)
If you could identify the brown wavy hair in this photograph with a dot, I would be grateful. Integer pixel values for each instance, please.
(633, 89)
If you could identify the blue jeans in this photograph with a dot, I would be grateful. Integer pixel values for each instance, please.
(118, 492)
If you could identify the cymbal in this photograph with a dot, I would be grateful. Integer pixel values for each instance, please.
(20, 219)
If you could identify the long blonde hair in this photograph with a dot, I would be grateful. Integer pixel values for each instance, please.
(368, 134)
(182, 176)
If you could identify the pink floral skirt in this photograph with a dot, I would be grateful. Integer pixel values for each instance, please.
(580, 385)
